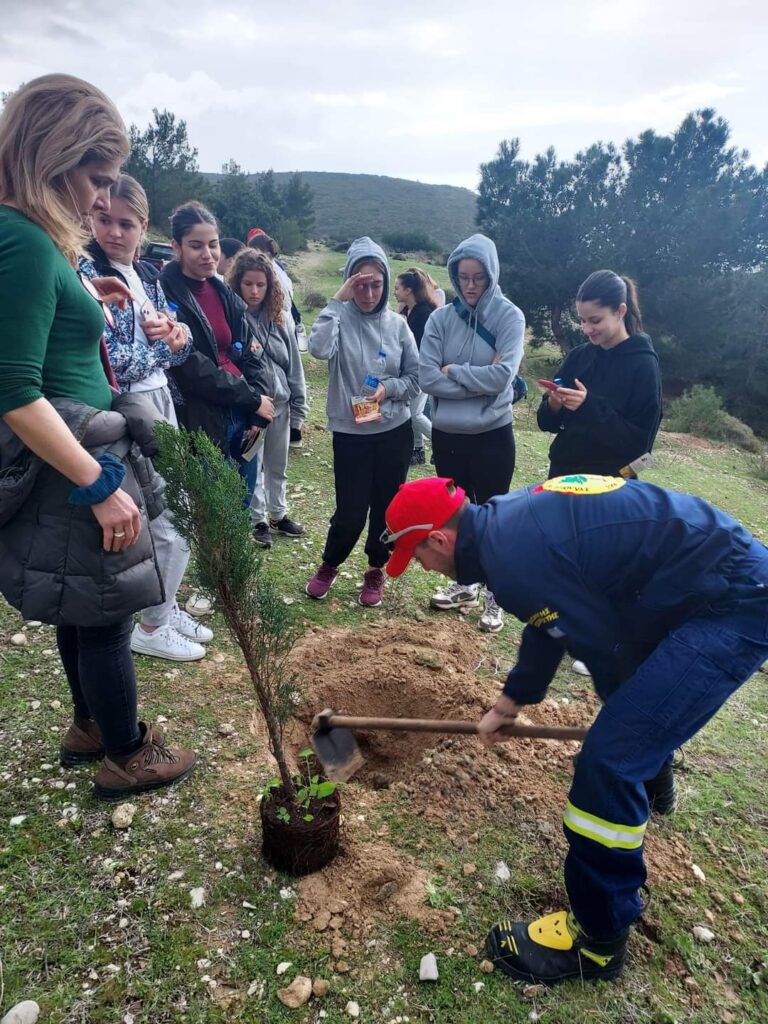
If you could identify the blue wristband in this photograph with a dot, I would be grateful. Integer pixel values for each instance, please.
(112, 475)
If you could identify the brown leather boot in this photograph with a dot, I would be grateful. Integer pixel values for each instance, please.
(81, 743)
(152, 766)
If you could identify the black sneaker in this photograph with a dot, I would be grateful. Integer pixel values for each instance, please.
(295, 438)
(261, 535)
(418, 457)
(662, 791)
(286, 527)
(554, 949)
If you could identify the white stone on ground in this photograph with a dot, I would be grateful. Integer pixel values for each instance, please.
(428, 968)
(25, 1012)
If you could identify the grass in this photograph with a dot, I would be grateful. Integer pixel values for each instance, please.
(97, 925)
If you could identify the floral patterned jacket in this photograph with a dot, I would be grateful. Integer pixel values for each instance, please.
(132, 360)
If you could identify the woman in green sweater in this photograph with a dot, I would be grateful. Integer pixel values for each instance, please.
(74, 549)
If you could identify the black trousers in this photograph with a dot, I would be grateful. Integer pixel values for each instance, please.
(367, 471)
(98, 664)
(482, 464)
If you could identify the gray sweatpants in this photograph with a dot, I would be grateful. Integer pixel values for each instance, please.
(271, 486)
(422, 425)
(171, 549)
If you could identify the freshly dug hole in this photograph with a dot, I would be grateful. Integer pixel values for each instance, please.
(394, 670)
(403, 669)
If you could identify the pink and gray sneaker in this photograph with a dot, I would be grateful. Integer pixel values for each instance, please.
(321, 582)
(372, 593)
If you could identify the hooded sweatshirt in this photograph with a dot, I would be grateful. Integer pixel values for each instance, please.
(619, 418)
(475, 393)
(283, 361)
(351, 341)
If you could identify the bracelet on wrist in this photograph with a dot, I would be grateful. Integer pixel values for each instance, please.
(112, 475)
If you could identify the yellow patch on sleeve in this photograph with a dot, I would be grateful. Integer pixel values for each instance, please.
(583, 483)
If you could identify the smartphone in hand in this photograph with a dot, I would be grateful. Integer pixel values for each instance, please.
(550, 385)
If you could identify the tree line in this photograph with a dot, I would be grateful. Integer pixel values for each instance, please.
(685, 214)
(165, 163)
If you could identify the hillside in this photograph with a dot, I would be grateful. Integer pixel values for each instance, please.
(348, 205)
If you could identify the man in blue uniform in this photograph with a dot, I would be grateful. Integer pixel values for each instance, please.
(664, 598)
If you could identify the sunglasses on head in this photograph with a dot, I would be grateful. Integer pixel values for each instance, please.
(390, 539)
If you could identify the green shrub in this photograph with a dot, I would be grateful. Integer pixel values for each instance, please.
(410, 241)
(759, 464)
(700, 411)
(315, 300)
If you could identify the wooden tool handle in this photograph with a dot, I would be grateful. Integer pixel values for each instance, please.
(550, 732)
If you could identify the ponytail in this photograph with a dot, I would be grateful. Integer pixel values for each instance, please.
(607, 288)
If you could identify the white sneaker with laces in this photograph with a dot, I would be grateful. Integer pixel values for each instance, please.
(189, 627)
(198, 604)
(166, 643)
(492, 619)
(580, 668)
(456, 595)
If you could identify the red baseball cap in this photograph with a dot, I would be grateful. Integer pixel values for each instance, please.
(253, 233)
(418, 508)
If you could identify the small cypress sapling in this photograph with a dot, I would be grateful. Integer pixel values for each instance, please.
(205, 494)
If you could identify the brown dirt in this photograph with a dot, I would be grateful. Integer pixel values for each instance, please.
(427, 670)
(688, 441)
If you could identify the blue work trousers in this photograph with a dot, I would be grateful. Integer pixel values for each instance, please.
(673, 693)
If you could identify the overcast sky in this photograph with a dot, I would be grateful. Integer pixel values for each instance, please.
(413, 90)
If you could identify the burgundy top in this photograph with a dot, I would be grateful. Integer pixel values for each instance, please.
(208, 300)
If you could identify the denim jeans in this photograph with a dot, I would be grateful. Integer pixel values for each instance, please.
(249, 471)
(98, 664)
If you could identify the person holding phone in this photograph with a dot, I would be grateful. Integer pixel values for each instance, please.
(143, 340)
(75, 498)
(222, 387)
(605, 407)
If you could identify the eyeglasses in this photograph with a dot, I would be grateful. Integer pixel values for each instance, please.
(479, 280)
(390, 538)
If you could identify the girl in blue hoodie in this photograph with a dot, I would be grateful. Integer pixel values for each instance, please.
(371, 453)
(469, 358)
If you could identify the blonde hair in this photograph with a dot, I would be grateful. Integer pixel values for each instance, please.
(48, 127)
(131, 192)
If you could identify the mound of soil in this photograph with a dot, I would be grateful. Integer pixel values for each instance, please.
(428, 670)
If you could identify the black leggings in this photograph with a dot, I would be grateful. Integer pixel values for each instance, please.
(99, 667)
(482, 464)
(367, 471)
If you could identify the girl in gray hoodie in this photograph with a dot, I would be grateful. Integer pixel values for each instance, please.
(360, 336)
(469, 357)
(253, 277)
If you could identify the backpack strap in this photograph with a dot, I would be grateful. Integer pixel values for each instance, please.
(480, 329)
(520, 388)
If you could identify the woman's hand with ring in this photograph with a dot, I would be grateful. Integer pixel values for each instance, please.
(120, 521)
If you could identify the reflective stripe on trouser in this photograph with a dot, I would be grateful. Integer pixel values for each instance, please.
(669, 698)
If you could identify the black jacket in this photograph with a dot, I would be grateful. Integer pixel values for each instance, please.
(52, 564)
(417, 320)
(620, 416)
(209, 393)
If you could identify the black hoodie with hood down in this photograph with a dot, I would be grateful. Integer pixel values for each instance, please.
(619, 418)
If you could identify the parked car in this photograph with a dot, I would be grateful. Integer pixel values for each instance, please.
(158, 254)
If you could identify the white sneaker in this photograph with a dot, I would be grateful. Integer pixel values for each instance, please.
(198, 605)
(166, 643)
(456, 595)
(189, 627)
(580, 668)
(492, 619)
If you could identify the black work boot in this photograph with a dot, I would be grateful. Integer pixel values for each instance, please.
(554, 949)
(661, 790)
